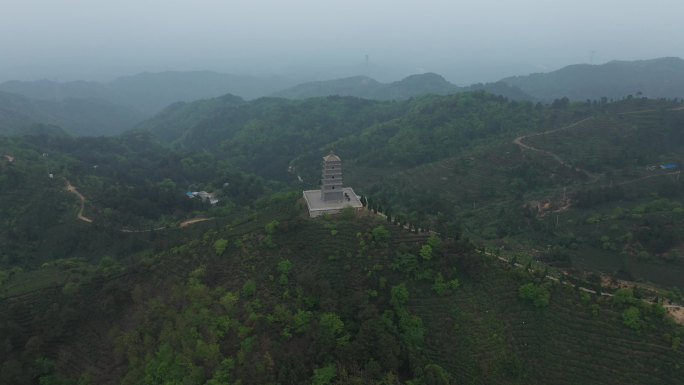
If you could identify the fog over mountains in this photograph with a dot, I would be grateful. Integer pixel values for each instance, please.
(95, 108)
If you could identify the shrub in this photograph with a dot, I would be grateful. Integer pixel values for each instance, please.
(538, 295)
(220, 246)
(249, 288)
(632, 317)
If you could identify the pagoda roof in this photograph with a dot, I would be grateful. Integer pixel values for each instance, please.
(332, 157)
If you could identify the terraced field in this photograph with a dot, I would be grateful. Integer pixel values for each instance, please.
(517, 343)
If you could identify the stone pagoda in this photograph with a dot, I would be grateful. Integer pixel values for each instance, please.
(332, 197)
(331, 181)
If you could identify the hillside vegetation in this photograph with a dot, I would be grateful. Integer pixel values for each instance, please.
(282, 299)
(477, 259)
(454, 157)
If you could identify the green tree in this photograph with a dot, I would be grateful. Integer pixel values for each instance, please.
(400, 296)
(249, 288)
(538, 295)
(271, 227)
(426, 252)
(380, 234)
(624, 296)
(435, 375)
(220, 246)
(285, 266)
(324, 375)
(632, 317)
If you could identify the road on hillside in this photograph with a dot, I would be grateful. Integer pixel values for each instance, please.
(70, 188)
(519, 142)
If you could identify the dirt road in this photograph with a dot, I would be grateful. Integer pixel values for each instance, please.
(70, 188)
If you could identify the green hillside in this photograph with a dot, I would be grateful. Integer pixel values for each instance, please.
(478, 260)
(608, 207)
(454, 157)
(283, 299)
(130, 184)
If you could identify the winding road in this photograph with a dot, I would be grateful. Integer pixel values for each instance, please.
(70, 188)
(519, 142)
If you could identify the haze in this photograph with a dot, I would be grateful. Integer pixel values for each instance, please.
(466, 41)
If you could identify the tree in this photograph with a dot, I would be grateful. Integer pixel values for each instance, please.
(435, 375)
(538, 295)
(380, 234)
(249, 288)
(400, 296)
(324, 375)
(632, 317)
(624, 296)
(426, 252)
(220, 246)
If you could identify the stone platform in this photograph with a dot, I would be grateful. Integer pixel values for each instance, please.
(317, 206)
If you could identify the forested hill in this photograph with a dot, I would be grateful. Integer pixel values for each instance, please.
(264, 136)
(656, 78)
(411, 86)
(457, 156)
(77, 116)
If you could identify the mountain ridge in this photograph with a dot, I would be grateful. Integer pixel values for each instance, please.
(655, 78)
(408, 87)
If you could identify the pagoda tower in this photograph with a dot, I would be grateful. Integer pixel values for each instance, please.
(331, 181)
(332, 198)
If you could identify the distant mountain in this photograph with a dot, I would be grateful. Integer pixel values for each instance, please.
(654, 78)
(77, 116)
(55, 91)
(171, 123)
(151, 92)
(359, 86)
(411, 86)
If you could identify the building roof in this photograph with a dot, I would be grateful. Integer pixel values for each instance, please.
(332, 157)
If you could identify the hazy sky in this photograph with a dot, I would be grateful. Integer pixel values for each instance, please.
(465, 41)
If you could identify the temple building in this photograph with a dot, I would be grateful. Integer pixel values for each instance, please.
(332, 197)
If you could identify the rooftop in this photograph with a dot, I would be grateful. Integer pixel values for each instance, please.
(332, 157)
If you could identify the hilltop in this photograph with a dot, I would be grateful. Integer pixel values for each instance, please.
(656, 78)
